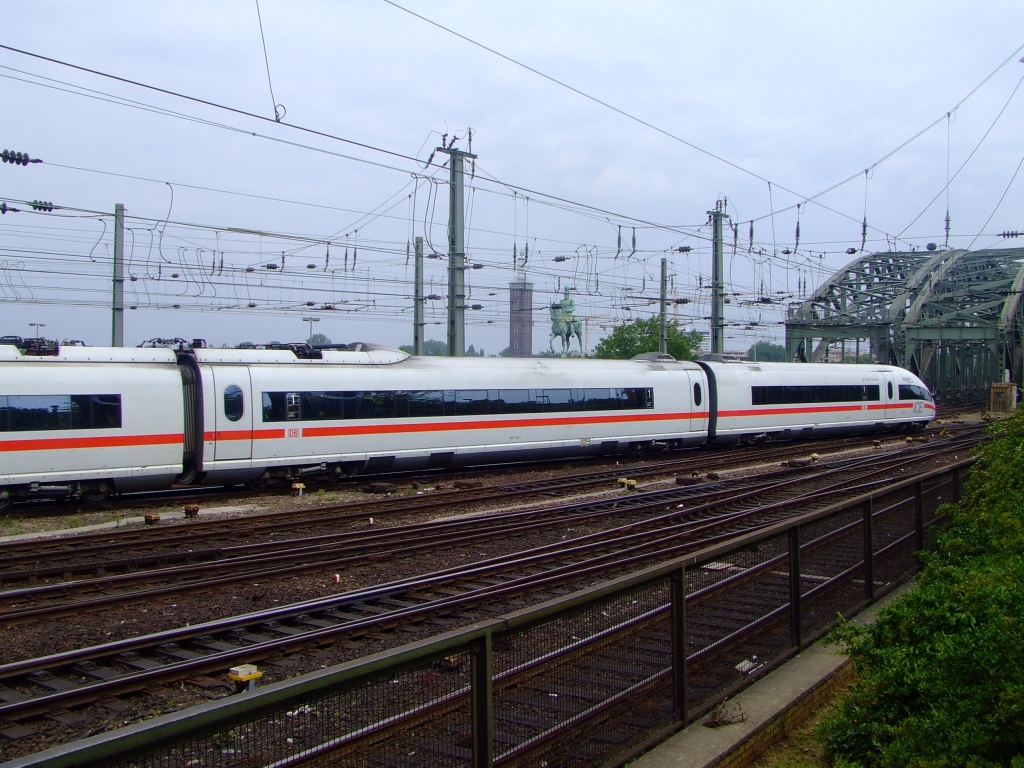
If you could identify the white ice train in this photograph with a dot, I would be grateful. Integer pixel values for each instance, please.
(86, 422)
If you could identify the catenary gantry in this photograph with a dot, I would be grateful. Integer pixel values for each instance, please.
(953, 317)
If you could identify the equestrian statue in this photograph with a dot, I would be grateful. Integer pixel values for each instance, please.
(565, 324)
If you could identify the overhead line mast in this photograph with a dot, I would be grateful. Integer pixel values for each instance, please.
(717, 281)
(456, 249)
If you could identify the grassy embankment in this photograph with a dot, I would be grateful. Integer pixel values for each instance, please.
(940, 675)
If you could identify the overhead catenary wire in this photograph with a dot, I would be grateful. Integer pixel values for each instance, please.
(668, 134)
(968, 159)
(282, 123)
(998, 203)
(279, 111)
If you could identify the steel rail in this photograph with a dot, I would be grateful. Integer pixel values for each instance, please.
(365, 550)
(602, 563)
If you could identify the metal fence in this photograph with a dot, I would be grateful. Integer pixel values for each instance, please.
(591, 678)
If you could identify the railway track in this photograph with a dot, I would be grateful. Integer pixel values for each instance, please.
(437, 600)
(112, 581)
(161, 546)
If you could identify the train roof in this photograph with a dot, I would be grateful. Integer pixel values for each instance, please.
(754, 365)
(74, 354)
(355, 355)
(365, 354)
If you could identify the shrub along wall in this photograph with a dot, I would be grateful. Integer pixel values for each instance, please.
(941, 673)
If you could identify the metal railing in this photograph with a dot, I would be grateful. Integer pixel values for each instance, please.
(590, 678)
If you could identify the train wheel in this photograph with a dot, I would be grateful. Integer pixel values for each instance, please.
(97, 494)
(5, 500)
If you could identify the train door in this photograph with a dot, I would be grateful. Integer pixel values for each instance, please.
(234, 408)
(698, 395)
(889, 393)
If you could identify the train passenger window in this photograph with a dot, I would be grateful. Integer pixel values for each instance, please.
(427, 402)
(31, 413)
(552, 400)
(95, 411)
(320, 406)
(597, 400)
(378, 405)
(471, 402)
(821, 393)
(333, 405)
(513, 401)
(401, 404)
(635, 398)
(234, 403)
(696, 394)
(889, 386)
(449, 402)
(914, 392)
(313, 406)
(273, 406)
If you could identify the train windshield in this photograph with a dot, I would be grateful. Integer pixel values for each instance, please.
(914, 392)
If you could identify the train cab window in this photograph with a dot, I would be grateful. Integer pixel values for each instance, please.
(914, 392)
(889, 389)
(696, 394)
(234, 403)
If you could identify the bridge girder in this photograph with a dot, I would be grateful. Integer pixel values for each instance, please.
(954, 317)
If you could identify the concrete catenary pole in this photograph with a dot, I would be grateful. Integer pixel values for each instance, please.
(417, 309)
(117, 320)
(663, 337)
(456, 251)
(717, 283)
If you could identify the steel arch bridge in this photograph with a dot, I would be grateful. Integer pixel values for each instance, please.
(953, 317)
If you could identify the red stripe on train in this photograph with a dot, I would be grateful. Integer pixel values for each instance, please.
(492, 424)
(113, 441)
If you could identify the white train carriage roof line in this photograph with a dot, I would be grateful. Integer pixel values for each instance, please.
(11, 354)
(369, 354)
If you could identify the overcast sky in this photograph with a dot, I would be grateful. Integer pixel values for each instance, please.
(801, 94)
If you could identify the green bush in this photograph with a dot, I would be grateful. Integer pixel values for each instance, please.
(941, 673)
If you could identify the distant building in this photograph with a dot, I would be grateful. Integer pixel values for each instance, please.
(520, 327)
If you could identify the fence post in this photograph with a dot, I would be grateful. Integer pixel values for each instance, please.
(919, 516)
(481, 672)
(678, 586)
(869, 555)
(796, 618)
